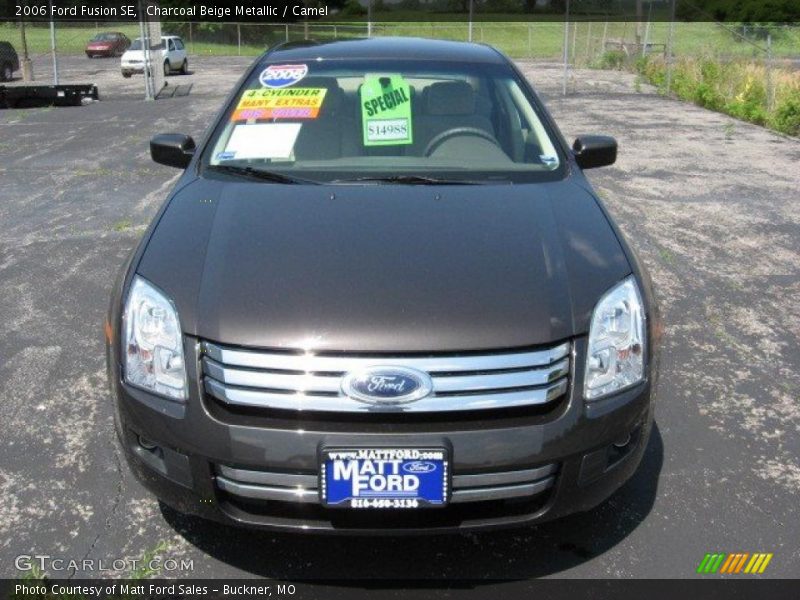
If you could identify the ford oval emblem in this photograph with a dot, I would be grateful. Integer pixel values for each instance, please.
(387, 385)
(419, 467)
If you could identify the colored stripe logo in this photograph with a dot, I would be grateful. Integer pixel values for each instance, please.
(740, 562)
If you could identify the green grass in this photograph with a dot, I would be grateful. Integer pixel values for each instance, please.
(69, 40)
(122, 225)
(692, 39)
(539, 39)
(743, 89)
(667, 256)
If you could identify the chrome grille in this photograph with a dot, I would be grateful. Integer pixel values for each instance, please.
(294, 381)
(289, 487)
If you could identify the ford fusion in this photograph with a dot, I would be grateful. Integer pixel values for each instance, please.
(382, 297)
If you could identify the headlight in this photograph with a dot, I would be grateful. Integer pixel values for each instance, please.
(153, 342)
(615, 358)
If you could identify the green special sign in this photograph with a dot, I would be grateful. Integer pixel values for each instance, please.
(386, 111)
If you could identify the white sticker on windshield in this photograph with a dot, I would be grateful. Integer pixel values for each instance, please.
(263, 140)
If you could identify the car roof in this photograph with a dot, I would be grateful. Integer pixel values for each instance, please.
(163, 37)
(400, 48)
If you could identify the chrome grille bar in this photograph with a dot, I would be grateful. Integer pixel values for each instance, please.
(271, 380)
(299, 401)
(502, 477)
(277, 380)
(492, 381)
(316, 363)
(303, 488)
(501, 493)
(312, 383)
(269, 478)
(263, 492)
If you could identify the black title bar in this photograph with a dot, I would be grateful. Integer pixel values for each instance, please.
(291, 11)
(258, 589)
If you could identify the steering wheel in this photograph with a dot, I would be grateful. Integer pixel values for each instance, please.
(455, 132)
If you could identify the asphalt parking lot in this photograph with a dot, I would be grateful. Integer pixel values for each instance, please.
(710, 203)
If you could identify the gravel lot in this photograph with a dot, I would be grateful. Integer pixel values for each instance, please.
(710, 203)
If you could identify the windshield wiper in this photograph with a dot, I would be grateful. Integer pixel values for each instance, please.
(259, 174)
(407, 180)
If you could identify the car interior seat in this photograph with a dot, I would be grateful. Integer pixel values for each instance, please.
(330, 135)
(448, 105)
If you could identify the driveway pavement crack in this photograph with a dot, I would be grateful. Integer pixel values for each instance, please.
(114, 506)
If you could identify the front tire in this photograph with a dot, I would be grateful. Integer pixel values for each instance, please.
(126, 75)
(167, 68)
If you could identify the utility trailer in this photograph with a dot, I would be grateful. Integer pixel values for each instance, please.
(24, 96)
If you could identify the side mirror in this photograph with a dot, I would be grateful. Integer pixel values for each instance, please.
(172, 149)
(595, 151)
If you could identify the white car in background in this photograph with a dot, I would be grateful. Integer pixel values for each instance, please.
(173, 57)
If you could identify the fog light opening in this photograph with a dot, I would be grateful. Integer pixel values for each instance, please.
(147, 444)
(621, 443)
(621, 447)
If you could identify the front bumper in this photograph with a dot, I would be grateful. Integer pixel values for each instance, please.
(200, 447)
(132, 67)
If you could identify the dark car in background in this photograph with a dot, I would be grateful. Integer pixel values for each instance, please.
(383, 297)
(109, 43)
(9, 61)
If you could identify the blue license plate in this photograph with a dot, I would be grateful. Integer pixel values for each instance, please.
(386, 478)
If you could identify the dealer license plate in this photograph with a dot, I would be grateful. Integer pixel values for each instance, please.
(386, 478)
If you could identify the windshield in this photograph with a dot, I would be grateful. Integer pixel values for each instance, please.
(137, 44)
(371, 120)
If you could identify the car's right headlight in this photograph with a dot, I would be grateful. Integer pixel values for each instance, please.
(153, 350)
(615, 356)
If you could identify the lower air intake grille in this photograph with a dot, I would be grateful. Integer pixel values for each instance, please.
(293, 488)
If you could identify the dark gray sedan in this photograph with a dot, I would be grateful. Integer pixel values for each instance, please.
(383, 297)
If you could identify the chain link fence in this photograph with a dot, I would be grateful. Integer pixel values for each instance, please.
(661, 54)
(751, 73)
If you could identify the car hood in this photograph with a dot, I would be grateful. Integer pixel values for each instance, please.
(384, 267)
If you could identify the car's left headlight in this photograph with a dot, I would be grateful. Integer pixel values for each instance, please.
(615, 356)
(153, 351)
